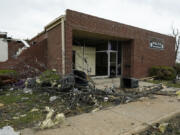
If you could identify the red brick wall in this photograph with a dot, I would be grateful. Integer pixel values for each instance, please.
(145, 57)
(40, 37)
(30, 62)
(13, 47)
(141, 56)
(68, 46)
(54, 49)
(127, 58)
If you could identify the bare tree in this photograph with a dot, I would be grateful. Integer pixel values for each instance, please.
(176, 35)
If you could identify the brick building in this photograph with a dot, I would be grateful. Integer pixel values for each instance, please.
(110, 48)
(102, 47)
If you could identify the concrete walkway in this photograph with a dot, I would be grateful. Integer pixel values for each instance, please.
(120, 120)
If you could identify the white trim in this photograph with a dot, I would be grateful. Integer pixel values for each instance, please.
(25, 43)
(3, 50)
(54, 23)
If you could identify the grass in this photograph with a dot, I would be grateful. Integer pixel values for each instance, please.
(16, 111)
(8, 72)
(9, 99)
(16, 97)
(28, 120)
(167, 83)
(49, 76)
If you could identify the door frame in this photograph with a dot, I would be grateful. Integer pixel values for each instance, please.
(109, 61)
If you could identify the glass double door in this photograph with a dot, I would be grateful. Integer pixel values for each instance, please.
(106, 63)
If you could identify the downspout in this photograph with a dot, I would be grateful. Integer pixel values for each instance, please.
(63, 44)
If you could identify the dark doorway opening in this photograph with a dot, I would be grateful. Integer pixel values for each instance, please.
(73, 59)
(101, 63)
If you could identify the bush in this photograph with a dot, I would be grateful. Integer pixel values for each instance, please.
(49, 76)
(8, 72)
(162, 72)
(177, 68)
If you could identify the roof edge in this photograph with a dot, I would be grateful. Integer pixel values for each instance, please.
(106, 19)
(54, 23)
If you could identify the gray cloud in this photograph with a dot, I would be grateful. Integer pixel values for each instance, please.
(25, 18)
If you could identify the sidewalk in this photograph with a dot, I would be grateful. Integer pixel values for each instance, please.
(120, 120)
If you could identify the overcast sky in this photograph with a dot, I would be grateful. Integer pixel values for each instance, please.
(26, 18)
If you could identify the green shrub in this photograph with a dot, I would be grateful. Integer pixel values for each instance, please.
(177, 68)
(8, 72)
(49, 76)
(162, 72)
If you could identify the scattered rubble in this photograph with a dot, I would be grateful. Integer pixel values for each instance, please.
(34, 110)
(24, 98)
(95, 110)
(7, 130)
(171, 127)
(1, 105)
(51, 99)
(27, 90)
(162, 127)
(178, 94)
(6, 80)
(69, 95)
(49, 121)
(106, 99)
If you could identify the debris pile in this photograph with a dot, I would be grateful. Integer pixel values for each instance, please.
(61, 96)
(6, 80)
(74, 90)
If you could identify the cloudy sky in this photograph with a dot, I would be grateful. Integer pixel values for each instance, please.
(26, 18)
